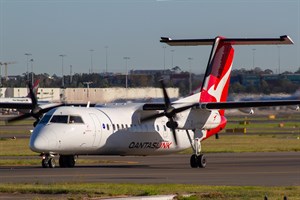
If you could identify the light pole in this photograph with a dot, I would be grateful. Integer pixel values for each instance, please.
(31, 60)
(190, 74)
(106, 60)
(278, 59)
(0, 80)
(164, 47)
(172, 51)
(126, 73)
(62, 70)
(253, 61)
(71, 74)
(91, 50)
(27, 55)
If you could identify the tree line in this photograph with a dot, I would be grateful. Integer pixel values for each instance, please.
(180, 79)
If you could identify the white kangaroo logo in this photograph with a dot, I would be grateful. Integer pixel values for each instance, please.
(218, 91)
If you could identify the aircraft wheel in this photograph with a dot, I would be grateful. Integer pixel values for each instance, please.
(67, 161)
(45, 163)
(62, 162)
(194, 161)
(51, 163)
(70, 161)
(201, 161)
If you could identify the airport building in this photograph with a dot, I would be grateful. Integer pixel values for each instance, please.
(94, 95)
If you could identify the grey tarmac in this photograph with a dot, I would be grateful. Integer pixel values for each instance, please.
(233, 169)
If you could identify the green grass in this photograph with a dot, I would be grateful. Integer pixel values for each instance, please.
(17, 147)
(112, 190)
(250, 143)
(22, 122)
(273, 125)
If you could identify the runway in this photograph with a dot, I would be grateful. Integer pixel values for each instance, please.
(234, 169)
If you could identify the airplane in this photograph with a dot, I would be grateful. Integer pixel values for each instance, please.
(27, 98)
(141, 129)
(29, 105)
(9, 102)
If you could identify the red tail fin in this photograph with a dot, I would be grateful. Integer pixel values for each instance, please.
(217, 75)
(34, 88)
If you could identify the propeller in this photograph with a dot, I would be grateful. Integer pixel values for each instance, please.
(35, 110)
(169, 112)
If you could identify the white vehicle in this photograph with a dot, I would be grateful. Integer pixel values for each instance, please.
(145, 128)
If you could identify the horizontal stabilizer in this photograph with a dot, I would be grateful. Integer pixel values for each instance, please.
(234, 41)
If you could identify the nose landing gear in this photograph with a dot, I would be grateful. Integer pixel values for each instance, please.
(48, 161)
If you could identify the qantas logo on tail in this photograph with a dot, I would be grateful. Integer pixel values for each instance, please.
(217, 91)
(216, 83)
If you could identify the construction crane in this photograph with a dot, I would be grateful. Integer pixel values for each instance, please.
(5, 69)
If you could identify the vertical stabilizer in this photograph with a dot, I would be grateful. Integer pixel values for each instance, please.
(34, 88)
(217, 76)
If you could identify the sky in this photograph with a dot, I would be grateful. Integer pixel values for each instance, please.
(115, 29)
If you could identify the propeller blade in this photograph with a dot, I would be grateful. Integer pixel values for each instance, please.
(32, 95)
(21, 117)
(166, 96)
(173, 130)
(174, 136)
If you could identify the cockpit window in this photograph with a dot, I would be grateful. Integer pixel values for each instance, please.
(59, 119)
(45, 119)
(75, 119)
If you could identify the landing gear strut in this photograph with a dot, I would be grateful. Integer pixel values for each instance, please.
(48, 161)
(197, 159)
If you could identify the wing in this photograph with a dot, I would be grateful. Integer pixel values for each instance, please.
(225, 105)
(247, 104)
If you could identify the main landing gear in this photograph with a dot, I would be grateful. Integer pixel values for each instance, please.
(48, 161)
(197, 159)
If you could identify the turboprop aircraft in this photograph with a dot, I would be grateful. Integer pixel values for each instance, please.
(143, 129)
(29, 105)
(12, 100)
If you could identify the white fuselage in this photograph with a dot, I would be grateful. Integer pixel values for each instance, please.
(113, 130)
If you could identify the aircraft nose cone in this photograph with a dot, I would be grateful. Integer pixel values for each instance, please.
(39, 144)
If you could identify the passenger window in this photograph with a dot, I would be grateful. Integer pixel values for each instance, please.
(114, 127)
(122, 126)
(59, 119)
(118, 127)
(165, 128)
(157, 127)
(75, 119)
(107, 125)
